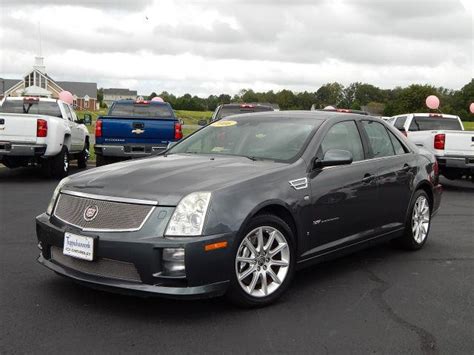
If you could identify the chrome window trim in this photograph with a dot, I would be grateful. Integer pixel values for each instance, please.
(367, 160)
(110, 198)
(103, 229)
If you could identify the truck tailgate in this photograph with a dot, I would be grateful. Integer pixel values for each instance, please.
(138, 130)
(17, 128)
(460, 143)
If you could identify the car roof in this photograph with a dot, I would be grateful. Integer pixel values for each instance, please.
(302, 114)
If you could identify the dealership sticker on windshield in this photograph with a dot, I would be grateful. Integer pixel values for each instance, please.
(78, 246)
(224, 123)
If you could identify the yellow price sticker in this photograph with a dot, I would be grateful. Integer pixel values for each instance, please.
(224, 123)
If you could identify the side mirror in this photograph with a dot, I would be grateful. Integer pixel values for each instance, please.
(335, 157)
(202, 122)
(87, 120)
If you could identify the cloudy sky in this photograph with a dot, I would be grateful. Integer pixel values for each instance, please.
(209, 46)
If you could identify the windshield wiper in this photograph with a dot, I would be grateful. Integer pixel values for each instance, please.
(252, 158)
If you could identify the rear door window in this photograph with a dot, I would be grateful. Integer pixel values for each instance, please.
(434, 123)
(48, 108)
(379, 140)
(397, 145)
(400, 122)
(141, 110)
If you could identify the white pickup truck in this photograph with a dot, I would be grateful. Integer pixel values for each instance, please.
(444, 136)
(43, 132)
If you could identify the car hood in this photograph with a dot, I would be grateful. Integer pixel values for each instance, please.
(167, 179)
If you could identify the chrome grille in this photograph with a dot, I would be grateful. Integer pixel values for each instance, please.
(111, 216)
(103, 267)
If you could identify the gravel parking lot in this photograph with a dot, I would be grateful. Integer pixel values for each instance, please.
(379, 300)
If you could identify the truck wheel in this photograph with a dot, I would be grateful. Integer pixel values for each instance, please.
(83, 157)
(59, 164)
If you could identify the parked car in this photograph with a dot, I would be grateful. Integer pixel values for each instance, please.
(226, 110)
(444, 136)
(42, 131)
(239, 205)
(133, 129)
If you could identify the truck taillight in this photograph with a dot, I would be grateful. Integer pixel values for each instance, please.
(41, 128)
(439, 141)
(178, 133)
(98, 128)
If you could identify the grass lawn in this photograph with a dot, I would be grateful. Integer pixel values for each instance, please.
(468, 125)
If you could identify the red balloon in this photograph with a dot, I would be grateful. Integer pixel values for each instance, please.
(66, 96)
(432, 102)
(471, 107)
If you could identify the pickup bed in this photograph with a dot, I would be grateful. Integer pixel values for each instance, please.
(41, 131)
(445, 137)
(135, 129)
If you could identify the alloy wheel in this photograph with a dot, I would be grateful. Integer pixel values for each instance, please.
(262, 261)
(420, 221)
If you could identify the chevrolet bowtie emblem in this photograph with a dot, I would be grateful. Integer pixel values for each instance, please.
(138, 131)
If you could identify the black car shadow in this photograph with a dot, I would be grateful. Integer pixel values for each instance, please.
(173, 310)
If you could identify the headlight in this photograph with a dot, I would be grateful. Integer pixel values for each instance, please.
(63, 182)
(188, 217)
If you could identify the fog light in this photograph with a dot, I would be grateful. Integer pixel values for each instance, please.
(173, 261)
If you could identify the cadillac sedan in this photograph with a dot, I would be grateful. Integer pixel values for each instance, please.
(238, 206)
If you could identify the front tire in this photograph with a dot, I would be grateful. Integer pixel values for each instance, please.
(418, 224)
(263, 262)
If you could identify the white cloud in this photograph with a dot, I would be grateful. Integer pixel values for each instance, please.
(205, 47)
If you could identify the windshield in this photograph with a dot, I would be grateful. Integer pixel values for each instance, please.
(432, 123)
(142, 110)
(47, 108)
(234, 110)
(256, 138)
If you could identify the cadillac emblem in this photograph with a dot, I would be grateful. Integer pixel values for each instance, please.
(91, 212)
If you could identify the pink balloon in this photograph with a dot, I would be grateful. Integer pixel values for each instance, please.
(432, 102)
(157, 98)
(471, 107)
(66, 96)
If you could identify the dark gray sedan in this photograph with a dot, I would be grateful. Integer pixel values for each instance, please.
(239, 205)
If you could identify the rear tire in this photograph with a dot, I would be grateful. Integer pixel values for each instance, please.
(83, 157)
(59, 164)
(418, 223)
(261, 272)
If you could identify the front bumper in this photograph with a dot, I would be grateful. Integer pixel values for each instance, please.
(206, 272)
(21, 150)
(135, 150)
(465, 163)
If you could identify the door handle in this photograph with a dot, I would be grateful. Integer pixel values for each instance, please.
(368, 178)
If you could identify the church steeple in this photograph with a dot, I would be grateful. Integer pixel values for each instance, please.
(39, 64)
